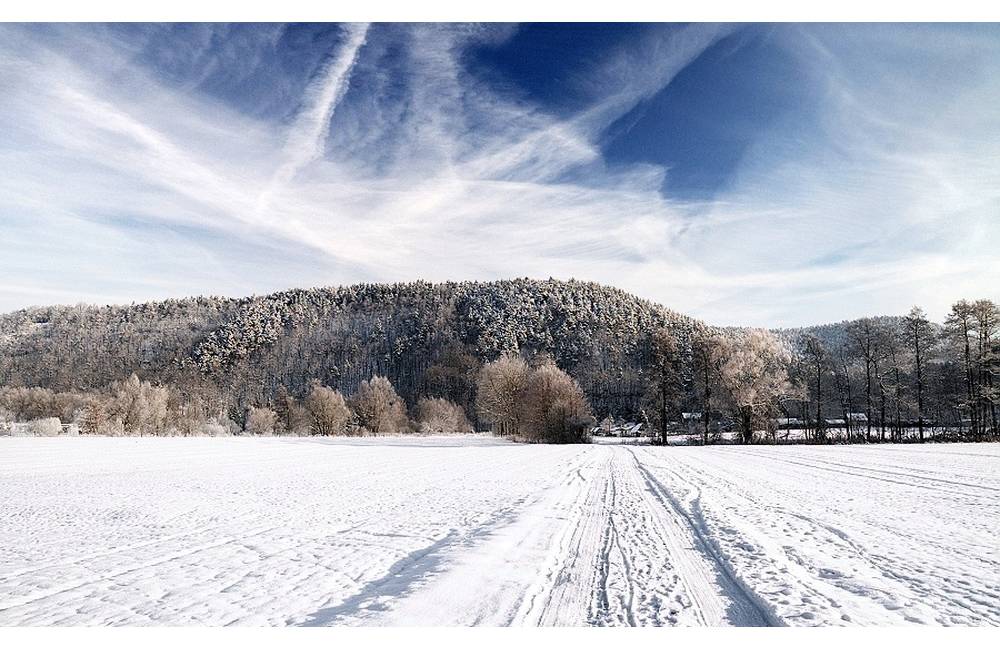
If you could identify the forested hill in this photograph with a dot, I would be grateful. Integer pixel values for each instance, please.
(835, 335)
(427, 338)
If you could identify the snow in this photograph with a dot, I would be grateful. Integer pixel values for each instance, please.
(478, 531)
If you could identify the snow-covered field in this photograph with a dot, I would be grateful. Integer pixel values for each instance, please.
(434, 531)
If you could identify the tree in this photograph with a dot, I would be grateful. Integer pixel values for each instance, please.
(959, 326)
(818, 359)
(500, 390)
(708, 352)
(328, 411)
(141, 406)
(864, 337)
(262, 422)
(438, 415)
(453, 375)
(890, 381)
(666, 376)
(556, 409)
(987, 323)
(293, 417)
(845, 387)
(379, 408)
(755, 375)
(97, 420)
(920, 338)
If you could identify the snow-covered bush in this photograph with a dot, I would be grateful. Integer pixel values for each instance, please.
(215, 428)
(45, 427)
(438, 415)
(328, 411)
(262, 422)
(379, 408)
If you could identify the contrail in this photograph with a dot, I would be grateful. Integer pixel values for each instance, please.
(312, 125)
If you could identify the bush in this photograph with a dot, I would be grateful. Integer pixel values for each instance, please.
(379, 408)
(45, 427)
(262, 422)
(220, 427)
(329, 415)
(96, 421)
(438, 415)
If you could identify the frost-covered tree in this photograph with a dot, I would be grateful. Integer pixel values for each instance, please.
(755, 376)
(262, 421)
(817, 359)
(140, 406)
(438, 415)
(379, 408)
(555, 408)
(500, 394)
(708, 350)
(328, 411)
(665, 379)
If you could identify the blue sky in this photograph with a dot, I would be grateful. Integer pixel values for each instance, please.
(745, 174)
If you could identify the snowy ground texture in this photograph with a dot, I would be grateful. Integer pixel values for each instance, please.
(467, 531)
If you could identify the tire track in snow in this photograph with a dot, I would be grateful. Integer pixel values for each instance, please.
(873, 474)
(567, 585)
(179, 554)
(746, 607)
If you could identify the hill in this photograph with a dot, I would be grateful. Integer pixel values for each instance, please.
(427, 338)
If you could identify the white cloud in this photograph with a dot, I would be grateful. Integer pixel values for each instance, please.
(135, 189)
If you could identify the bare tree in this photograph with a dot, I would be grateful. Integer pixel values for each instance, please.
(920, 339)
(328, 411)
(500, 393)
(556, 409)
(708, 351)
(262, 421)
(987, 323)
(438, 415)
(959, 324)
(379, 408)
(818, 359)
(864, 336)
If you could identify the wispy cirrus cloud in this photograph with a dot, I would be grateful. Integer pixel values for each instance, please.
(133, 170)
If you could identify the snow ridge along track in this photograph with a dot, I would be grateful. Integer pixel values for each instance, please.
(476, 531)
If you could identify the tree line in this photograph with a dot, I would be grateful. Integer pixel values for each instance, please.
(534, 402)
(536, 360)
(869, 380)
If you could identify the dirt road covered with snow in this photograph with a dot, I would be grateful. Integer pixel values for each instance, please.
(476, 531)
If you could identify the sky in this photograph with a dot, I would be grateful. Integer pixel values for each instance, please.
(765, 175)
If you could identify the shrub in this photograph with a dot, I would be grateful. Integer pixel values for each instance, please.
(262, 422)
(141, 407)
(379, 408)
(328, 411)
(438, 415)
(45, 427)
